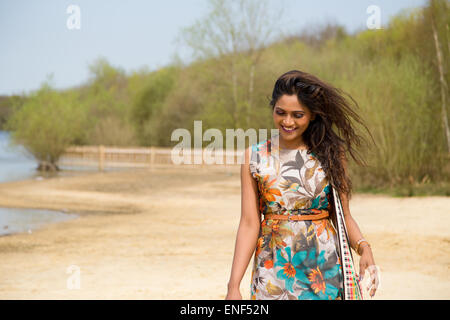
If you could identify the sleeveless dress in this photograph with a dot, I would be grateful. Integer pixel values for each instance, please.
(294, 260)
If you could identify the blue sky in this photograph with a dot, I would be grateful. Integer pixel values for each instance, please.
(130, 34)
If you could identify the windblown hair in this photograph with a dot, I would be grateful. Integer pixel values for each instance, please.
(332, 108)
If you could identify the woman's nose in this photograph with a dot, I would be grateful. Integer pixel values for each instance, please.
(288, 121)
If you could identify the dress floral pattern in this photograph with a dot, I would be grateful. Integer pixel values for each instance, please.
(293, 259)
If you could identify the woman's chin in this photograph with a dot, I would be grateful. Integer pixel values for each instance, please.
(289, 136)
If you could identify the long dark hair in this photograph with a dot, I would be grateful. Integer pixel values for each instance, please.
(332, 107)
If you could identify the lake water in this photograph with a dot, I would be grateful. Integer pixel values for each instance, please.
(26, 220)
(17, 164)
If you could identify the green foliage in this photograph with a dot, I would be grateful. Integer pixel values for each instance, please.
(6, 107)
(48, 123)
(107, 100)
(148, 104)
(396, 101)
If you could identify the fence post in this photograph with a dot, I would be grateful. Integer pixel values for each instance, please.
(101, 157)
(152, 156)
(202, 164)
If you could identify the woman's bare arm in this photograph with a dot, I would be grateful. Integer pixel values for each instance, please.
(354, 234)
(248, 231)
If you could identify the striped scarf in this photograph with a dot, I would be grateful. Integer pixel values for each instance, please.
(351, 285)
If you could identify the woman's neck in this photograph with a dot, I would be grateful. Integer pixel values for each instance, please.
(292, 145)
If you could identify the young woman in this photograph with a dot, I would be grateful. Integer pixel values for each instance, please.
(288, 179)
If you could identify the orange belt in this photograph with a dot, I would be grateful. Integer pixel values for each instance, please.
(319, 214)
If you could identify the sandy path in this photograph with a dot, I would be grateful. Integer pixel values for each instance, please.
(169, 233)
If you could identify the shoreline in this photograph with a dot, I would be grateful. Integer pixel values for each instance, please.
(169, 233)
(21, 220)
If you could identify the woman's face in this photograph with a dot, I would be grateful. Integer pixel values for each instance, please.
(291, 118)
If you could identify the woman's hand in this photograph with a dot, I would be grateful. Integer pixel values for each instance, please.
(367, 262)
(233, 293)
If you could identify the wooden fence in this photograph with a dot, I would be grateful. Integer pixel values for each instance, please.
(104, 157)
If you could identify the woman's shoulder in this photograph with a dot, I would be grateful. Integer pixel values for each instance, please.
(261, 148)
(261, 144)
(257, 154)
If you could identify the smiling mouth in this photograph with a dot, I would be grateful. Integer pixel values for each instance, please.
(288, 130)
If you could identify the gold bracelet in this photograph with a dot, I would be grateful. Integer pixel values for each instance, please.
(359, 243)
(368, 245)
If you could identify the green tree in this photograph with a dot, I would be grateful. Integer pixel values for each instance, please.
(47, 123)
(6, 107)
(107, 99)
(146, 110)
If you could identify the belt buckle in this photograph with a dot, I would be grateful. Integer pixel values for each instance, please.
(290, 216)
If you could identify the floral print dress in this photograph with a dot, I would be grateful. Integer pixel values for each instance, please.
(293, 259)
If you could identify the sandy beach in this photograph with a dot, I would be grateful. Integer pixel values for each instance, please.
(169, 233)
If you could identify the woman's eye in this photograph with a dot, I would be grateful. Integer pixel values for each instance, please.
(298, 115)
